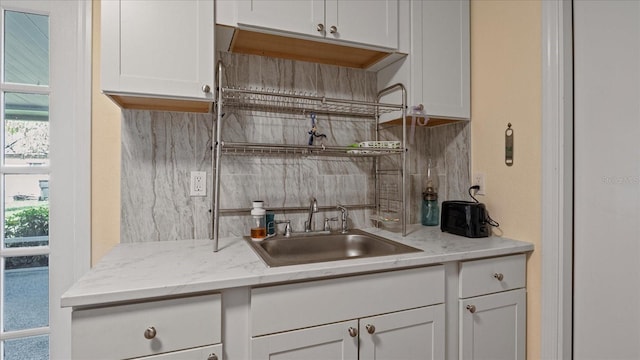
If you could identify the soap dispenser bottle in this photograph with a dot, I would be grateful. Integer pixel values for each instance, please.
(430, 209)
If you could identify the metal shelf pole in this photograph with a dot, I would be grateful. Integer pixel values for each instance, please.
(216, 163)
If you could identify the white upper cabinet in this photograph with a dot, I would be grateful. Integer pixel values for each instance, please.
(442, 58)
(300, 17)
(157, 49)
(437, 70)
(367, 23)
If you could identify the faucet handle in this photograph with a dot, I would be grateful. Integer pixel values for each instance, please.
(327, 227)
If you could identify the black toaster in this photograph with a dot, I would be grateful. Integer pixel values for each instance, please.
(465, 218)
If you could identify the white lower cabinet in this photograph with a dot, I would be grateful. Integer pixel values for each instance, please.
(492, 309)
(213, 352)
(392, 315)
(331, 341)
(405, 335)
(471, 310)
(181, 328)
(412, 335)
(493, 327)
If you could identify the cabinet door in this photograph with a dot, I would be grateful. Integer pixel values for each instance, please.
(365, 22)
(213, 352)
(410, 335)
(327, 342)
(300, 16)
(160, 48)
(493, 326)
(441, 57)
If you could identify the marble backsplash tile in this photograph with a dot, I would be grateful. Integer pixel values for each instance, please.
(160, 149)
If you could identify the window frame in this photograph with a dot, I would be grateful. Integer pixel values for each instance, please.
(69, 92)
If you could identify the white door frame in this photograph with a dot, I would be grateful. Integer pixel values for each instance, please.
(70, 199)
(557, 179)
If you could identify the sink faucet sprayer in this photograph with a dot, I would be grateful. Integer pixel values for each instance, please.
(343, 218)
(313, 208)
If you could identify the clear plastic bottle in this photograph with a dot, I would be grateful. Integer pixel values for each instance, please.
(430, 208)
(258, 221)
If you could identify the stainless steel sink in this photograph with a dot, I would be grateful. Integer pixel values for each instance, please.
(280, 251)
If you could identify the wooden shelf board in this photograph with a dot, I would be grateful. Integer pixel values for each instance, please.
(256, 43)
(433, 121)
(160, 104)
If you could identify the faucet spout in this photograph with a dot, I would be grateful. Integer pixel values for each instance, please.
(313, 208)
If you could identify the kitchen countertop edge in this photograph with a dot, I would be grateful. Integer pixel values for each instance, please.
(155, 270)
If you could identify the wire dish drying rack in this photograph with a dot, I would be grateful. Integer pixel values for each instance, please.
(237, 148)
(301, 103)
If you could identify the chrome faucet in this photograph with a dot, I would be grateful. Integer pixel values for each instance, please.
(313, 208)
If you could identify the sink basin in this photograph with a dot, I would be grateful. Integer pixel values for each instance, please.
(280, 251)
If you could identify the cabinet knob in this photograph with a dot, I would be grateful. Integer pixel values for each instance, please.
(206, 88)
(320, 28)
(212, 356)
(498, 276)
(353, 332)
(150, 333)
(333, 29)
(471, 308)
(370, 328)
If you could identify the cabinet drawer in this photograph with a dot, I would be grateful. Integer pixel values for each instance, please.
(118, 332)
(299, 305)
(213, 352)
(488, 276)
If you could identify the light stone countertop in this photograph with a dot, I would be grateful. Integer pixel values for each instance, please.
(159, 269)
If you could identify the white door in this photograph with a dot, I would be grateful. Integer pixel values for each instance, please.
(337, 341)
(417, 334)
(493, 327)
(606, 297)
(44, 171)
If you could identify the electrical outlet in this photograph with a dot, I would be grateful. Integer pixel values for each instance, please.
(478, 179)
(198, 183)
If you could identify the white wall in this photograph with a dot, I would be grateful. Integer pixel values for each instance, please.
(607, 180)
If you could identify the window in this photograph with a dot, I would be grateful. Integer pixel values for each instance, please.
(44, 172)
(24, 171)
